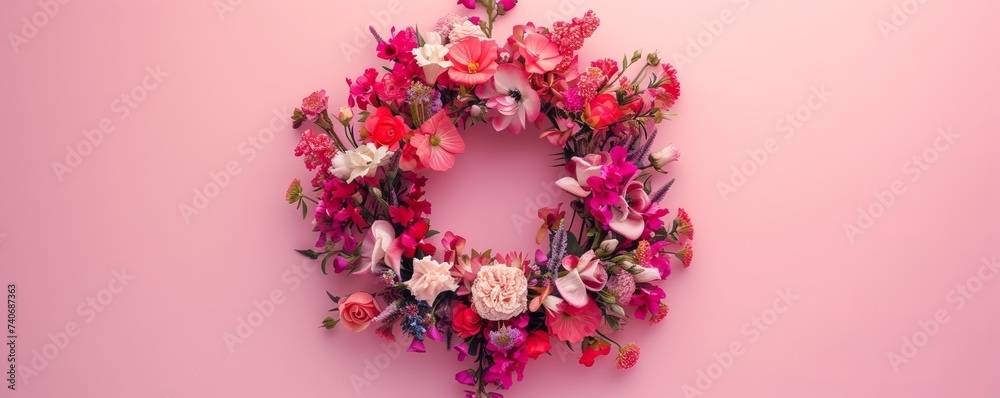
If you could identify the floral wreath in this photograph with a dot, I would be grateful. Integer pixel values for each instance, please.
(499, 309)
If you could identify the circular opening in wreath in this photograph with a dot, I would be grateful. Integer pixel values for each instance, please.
(492, 195)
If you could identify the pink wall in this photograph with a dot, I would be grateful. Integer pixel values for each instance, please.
(867, 93)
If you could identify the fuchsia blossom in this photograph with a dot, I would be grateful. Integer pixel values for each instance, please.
(512, 102)
(399, 47)
(361, 89)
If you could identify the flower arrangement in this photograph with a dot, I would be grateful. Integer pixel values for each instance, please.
(593, 271)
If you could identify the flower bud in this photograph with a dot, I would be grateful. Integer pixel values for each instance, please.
(653, 59)
(345, 115)
(663, 157)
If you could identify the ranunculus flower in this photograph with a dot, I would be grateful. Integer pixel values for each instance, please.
(512, 102)
(585, 273)
(627, 214)
(430, 278)
(375, 245)
(314, 104)
(358, 310)
(540, 54)
(431, 57)
(537, 344)
(384, 129)
(499, 292)
(601, 111)
(663, 157)
(581, 169)
(474, 61)
(573, 324)
(437, 141)
(465, 321)
(361, 161)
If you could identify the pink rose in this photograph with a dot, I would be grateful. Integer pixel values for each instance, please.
(358, 310)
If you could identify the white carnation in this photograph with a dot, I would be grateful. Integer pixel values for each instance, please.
(363, 161)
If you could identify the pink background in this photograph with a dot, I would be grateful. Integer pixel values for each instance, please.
(860, 297)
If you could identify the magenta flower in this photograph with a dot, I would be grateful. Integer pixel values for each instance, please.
(470, 4)
(512, 102)
(507, 4)
(362, 92)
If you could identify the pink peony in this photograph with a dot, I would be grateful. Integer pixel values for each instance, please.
(474, 61)
(437, 141)
(512, 101)
(573, 324)
(499, 292)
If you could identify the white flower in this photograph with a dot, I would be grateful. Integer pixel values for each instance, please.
(430, 278)
(461, 30)
(375, 245)
(363, 161)
(432, 38)
(431, 58)
(499, 292)
(640, 273)
(664, 157)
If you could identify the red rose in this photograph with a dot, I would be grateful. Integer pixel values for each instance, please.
(602, 111)
(384, 129)
(465, 320)
(593, 348)
(537, 344)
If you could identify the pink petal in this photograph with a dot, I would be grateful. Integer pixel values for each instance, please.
(570, 184)
(572, 289)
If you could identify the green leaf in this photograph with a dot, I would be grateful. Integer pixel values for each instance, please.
(330, 323)
(332, 297)
(322, 265)
(431, 233)
(420, 39)
(309, 253)
(637, 55)
(305, 209)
